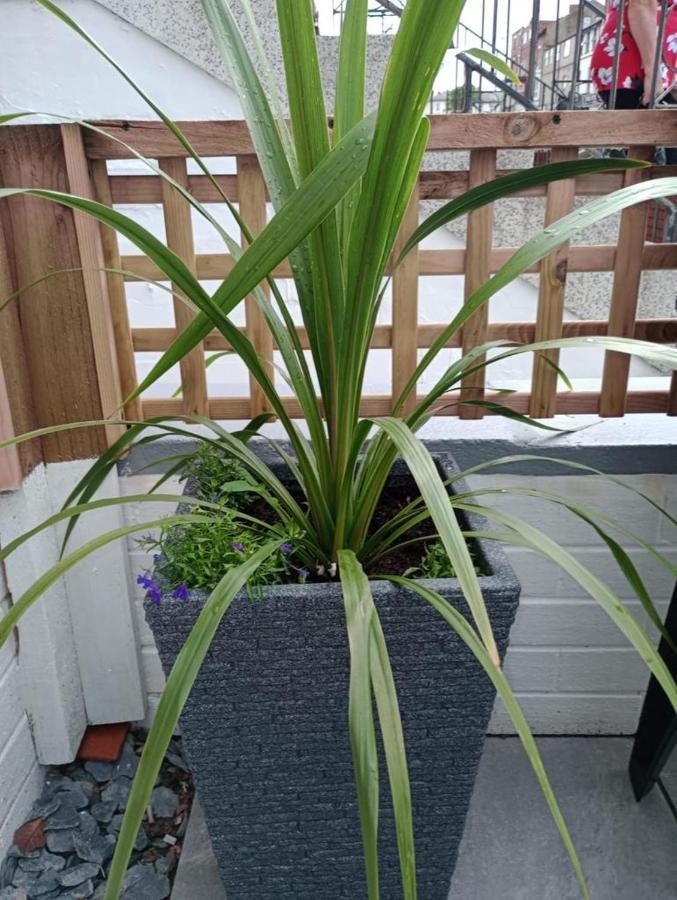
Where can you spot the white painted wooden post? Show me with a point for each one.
(51, 689)
(100, 605)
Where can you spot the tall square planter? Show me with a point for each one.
(266, 730)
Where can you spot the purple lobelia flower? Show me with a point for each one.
(286, 548)
(239, 548)
(181, 592)
(151, 587)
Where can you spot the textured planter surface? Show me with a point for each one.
(266, 730)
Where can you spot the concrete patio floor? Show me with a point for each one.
(511, 848)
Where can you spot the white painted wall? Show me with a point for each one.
(20, 774)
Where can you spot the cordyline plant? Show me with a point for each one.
(339, 198)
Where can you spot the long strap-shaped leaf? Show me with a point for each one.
(28, 598)
(395, 753)
(422, 467)
(179, 685)
(310, 204)
(471, 640)
(607, 599)
(359, 614)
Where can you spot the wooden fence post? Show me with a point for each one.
(551, 287)
(68, 349)
(625, 294)
(252, 193)
(477, 271)
(179, 229)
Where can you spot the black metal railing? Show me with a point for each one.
(550, 56)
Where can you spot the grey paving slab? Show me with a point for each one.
(197, 877)
(511, 849)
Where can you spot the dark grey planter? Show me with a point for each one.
(266, 731)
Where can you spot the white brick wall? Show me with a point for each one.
(20, 774)
(572, 669)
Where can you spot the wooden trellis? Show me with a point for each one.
(78, 161)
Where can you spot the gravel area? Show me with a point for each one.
(65, 848)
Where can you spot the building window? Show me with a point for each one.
(547, 59)
(566, 50)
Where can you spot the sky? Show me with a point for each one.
(511, 15)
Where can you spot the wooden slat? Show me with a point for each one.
(599, 258)
(624, 296)
(252, 190)
(477, 271)
(551, 286)
(148, 188)
(405, 309)
(88, 234)
(117, 297)
(11, 474)
(55, 324)
(179, 232)
(568, 128)
(572, 403)
(661, 331)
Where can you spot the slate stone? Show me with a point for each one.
(55, 783)
(78, 874)
(43, 808)
(66, 816)
(117, 792)
(142, 882)
(79, 795)
(103, 812)
(165, 865)
(60, 841)
(164, 802)
(7, 870)
(12, 893)
(177, 760)
(88, 824)
(36, 885)
(141, 841)
(81, 892)
(44, 861)
(115, 823)
(93, 848)
(100, 771)
(128, 763)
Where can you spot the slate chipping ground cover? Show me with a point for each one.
(64, 850)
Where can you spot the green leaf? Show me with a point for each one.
(495, 62)
(422, 467)
(470, 638)
(359, 615)
(179, 685)
(307, 207)
(609, 602)
(395, 752)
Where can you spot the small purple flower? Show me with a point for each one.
(181, 592)
(239, 548)
(286, 548)
(303, 575)
(151, 587)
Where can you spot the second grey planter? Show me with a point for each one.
(266, 732)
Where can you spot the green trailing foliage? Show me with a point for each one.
(338, 201)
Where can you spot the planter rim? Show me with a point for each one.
(500, 580)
